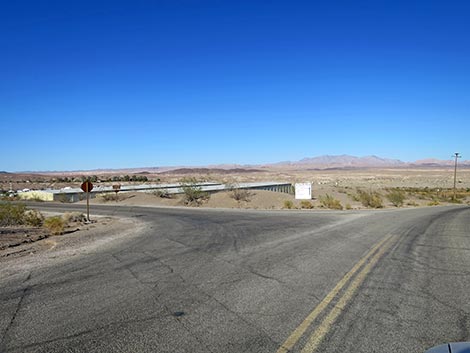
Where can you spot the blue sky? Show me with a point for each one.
(109, 84)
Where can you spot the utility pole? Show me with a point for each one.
(456, 156)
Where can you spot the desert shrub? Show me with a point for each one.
(55, 225)
(433, 203)
(107, 197)
(240, 194)
(439, 194)
(74, 217)
(460, 195)
(33, 218)
(455, 200)
(288, 204)
(370, 199)
(354, 197)
(396, 197)
(412, 203)
(329, 201)
(193, 194)
(11, 214)
(163, 193)
(348, 206)
(306, 204)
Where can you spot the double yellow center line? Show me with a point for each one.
(373, 256)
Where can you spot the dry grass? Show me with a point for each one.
(55, 225)
(33, 218)
(370, 199)
(163, 194)
(288, 204)
(330, 202)
(305, 204)
(396, 197)
(241, 195)
(70, 217)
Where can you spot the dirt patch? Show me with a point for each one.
(16, 240)
(15, 236)
(105, 234)
(138, 199)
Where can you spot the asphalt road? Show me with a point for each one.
(246, 281)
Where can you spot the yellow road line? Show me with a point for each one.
(299, 331)
(320, 332)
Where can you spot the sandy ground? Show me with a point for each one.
(258, 199)
(261, 199)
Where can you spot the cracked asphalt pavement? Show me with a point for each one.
(198, 280)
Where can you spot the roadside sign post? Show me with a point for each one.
(116, 189)
(87, 186)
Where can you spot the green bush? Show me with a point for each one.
(370, 199)
(348, 206)
(330, 202)
(18, 214)
(288, 204)
(193, 194)
(306, 204)
(396, 197)
(11, 214)
(55, 225)
(434, 203)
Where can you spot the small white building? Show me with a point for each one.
(303, 191)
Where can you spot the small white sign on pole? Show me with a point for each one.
(303, 191)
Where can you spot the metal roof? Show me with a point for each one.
(171, 188)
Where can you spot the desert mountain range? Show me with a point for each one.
(321, 162)
(347, 161)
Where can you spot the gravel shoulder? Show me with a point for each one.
(53, 250)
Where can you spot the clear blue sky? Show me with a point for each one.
(109, 84)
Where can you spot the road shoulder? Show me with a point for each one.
(105, 233)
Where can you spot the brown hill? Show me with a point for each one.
(211, 171)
